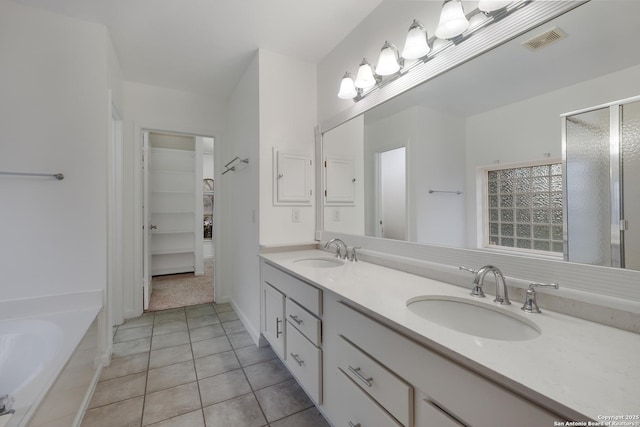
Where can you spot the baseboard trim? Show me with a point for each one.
(255, 334)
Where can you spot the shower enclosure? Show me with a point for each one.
(601, 158)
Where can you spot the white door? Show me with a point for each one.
(146, 221)
(391, 197)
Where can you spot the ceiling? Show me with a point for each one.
(602, 38)
(204, 46)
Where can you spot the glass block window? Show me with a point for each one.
(525, 208)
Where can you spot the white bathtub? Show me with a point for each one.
(37, 339)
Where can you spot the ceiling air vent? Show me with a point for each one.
(545, 39)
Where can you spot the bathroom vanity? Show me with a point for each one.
(346, 333)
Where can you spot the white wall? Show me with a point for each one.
(53, 118)
(157, 109)
(535, 125)
(287, 119)
(237, 203)
(347, 140)
(435, 160)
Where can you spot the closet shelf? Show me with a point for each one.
(173, 251)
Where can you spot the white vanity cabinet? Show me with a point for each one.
(292, 324)
(411, 384)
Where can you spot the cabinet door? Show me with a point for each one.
(340, 179)
(292, 179)
(274, 323)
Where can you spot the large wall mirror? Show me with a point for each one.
(474, 158)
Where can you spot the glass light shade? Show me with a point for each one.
(492, 5)
(477, 19)
(347, 88)
(364, 78)
(439, 44)
(452, 20)
(388, 61)
(416, 45)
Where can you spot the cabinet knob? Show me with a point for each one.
(153, 227)
(353, 425)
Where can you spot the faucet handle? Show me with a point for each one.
(477, 287)
(530, 303)
(354, 255)
(470, 270)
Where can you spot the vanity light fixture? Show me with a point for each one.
(347, 87)
(389, 61)
(453, 22)
(365, 78)
(489, 6)
(453, 29)
(416, 44)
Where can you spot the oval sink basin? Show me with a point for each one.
(473, 318)
(322, 262)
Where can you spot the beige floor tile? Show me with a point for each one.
(127, 348)
(169, 340)
(205, 333)
(267, 374)
(221, 308)
(223, 387)
(233, 327)
(308, 418)
(210, 346)
(216, 364)
(199, 310)
(169, 327)
(192, 419)
(227, 316)
(283, 399)
(242, 411)
(240, 339)
(170, 376)
(170, 403)
(118, 389)
(131, 334)
(169, 315)
(169, 356)
(252, 354)
(124, 366)
(206, 320)
(144, 320)
(127, 413)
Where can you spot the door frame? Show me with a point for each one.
(378, 186)
(138, 274)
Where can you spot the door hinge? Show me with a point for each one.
(623, 225)
(325, 163)
(325, 193)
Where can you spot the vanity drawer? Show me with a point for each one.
(385, 387)
(304, 360)
(463, 393)
(428, 414)
(303, 293)
(357, 408)
(302, 320)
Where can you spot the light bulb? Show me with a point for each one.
(364, 78)
(492, 5)
(416, 44)
(452, 20)
(347, 88)
(388, 61)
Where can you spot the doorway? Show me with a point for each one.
(177, 190)
(391, 197)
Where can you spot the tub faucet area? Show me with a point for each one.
(6, 405)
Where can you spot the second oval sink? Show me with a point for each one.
(320, 262)
(473, 318)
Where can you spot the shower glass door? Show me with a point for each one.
(602, 215)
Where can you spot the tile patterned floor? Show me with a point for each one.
(196, 367)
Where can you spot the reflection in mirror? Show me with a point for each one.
(483, 146)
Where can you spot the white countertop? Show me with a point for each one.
(576, 367)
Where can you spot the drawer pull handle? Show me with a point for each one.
(356, 372)
(353, 425)
(278, 331)
(295, 319)
(296, 357)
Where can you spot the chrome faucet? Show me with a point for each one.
(502, 295)
(339, 246)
